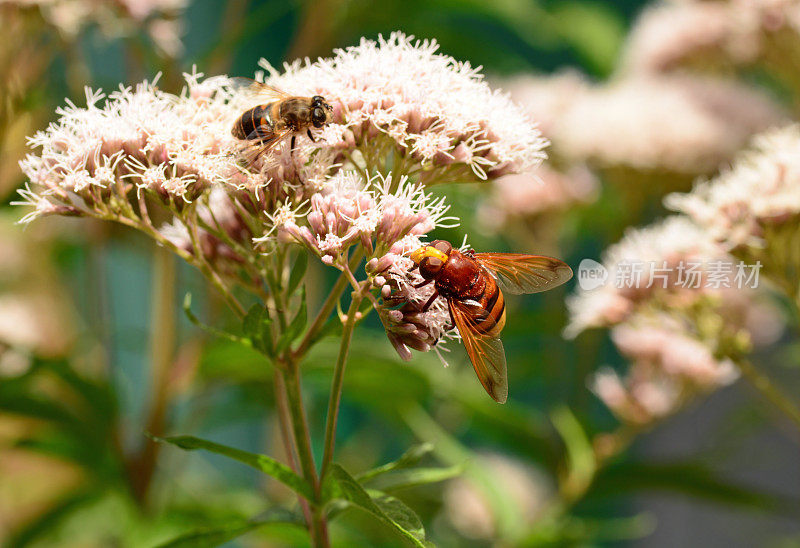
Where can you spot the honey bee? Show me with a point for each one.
(279, 115)
(473, 284)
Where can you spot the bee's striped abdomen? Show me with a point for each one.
(254, 124)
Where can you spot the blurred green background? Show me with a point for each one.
(77, 395)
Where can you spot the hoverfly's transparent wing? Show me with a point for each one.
(486, 352)
(259, 143)
(257, 92)
(519, 273)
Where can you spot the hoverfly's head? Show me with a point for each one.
(431, 258)
(321, 112)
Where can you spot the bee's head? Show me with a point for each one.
(431, 258)
(321, 112)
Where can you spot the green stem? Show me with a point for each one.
(769, 391)
(327, 307)
(201, 265)
(338, 381)
(302, 439)
(162, 341)
(285, 422)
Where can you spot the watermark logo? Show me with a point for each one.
(591, 275)
(716, 274)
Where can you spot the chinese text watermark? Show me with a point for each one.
(717, 274)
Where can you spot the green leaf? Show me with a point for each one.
(400, 514)
(338, 484)
(297, 273)
(265, 464)
(414, 477)
(97, 394)
(208, 538)
(408, 459)
(256, 327)
(298, 324)
(52, 518)
(595, 30)
(688, 478)
(187, 309)
(573, 531)
(580, 454)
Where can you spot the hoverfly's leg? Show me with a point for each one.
(470, 252)
(421, 284)
(428, 304)
(452, 320)
(308, 132)
(293, 142)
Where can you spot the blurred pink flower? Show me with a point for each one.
(115, 18)
(762, 189)
(644, 396)
(662, 342)
(670, 34)
(666, 246)
(712, 34)
(681, 322)
(470, 510)
(545, 190)
(547, 98)
(681, 123)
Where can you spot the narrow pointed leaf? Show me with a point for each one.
(298, 324)
(406, 460)
(413, 477)
(298, 271)
(211, 537)
(265, 464)
(187, 309)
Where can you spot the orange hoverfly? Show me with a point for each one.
(277, 116)
(472, 282)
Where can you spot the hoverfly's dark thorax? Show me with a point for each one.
(461, 277)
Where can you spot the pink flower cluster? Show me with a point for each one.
(141, 139)
(680, 340)
(405, 117)
(528, 195)
(667, 244)
(436, 112)
(679, 123)
(760, 191)
(712, 33)
(377, 214)
(160, 18)
(407, 326)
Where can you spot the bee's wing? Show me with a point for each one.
(486, 353)
(262, 143)
(518, 273)
(256, 91)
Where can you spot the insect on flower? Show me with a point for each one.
(277, 116)
(472, 283)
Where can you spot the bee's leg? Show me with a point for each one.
(422, 284)
(308, 132)
(428, 304)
